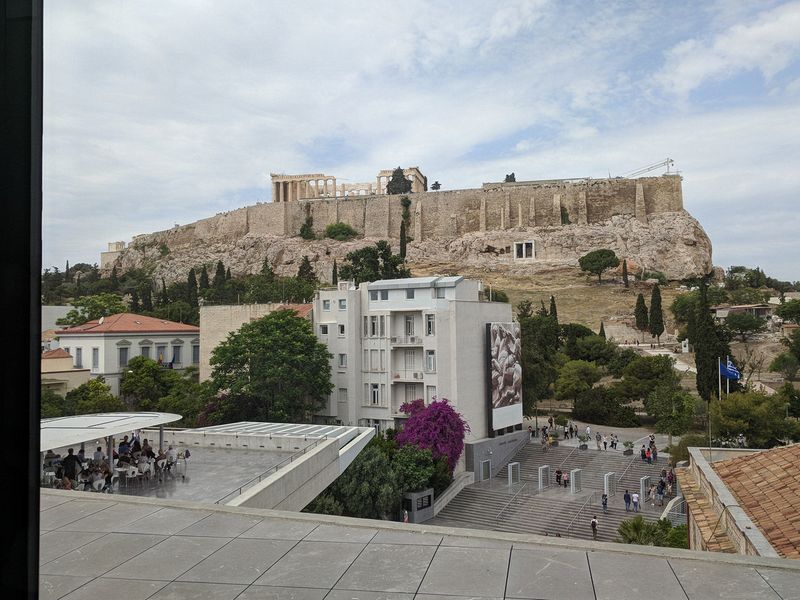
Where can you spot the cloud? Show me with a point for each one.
(768, 44)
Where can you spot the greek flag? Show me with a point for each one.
(729, 371)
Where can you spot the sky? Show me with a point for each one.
(157, 113)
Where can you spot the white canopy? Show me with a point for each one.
(71, 431)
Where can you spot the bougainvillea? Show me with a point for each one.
(437, 427)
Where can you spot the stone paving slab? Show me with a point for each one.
(64, 514)
(110, 519)
(222, 552)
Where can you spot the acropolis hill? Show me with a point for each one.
(519, 228)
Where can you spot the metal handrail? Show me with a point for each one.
(574, 450)
(722, 514)
(630, 464)
(580, 511)
(273, 469)
(514, 497)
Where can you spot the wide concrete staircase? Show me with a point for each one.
(523, 508)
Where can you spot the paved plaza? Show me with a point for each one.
(100, 546)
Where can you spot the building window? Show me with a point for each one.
(323, 330)
(145, 351)
(123, 357)
(430, 393)
(176, 355)
(523, 250)
(78, 358)
(440, 293)
(343, 304)
(430, 361)
(343, 361)
(409, 361)
(373, 360)
(409, 325)
(366, 327)
(409, 294)
(95, 359)
(326, 305)
(342, 394)
(375, 394)
(383, 360)
(66, 349)
(373, 295)
(196, 354)
(430, 324)
(384, 294)
(383, 326)
(365, 361)
(161, 354)
(373, 326)
(341, 329)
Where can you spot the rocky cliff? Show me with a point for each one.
(671, 242)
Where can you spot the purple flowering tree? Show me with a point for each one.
(437, 427)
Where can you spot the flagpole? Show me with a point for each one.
(727, 379)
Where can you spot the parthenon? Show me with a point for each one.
(288, 188)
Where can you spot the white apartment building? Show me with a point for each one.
(106, 345)
(397, 340)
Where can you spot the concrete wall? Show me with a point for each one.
(444, 214)
(500, 450)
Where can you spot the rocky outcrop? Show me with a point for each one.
(673, 243)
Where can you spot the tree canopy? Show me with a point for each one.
(744, 324)
(273, 369)
(575, 377)
(398, 184)
(373, 263)
(656, 317)
(437, 427)
(789, 311)
(760, 417)
(597, 261)
(94, 396)
(89, 308)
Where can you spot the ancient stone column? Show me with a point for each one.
(378, 181)
(334, 187)
(641, 208)
(582, 208)
(281, 192)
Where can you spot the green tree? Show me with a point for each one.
(373, 263)
(403, 240)
(436, 186)
(602, 332)
(227, 274)
(524, 309)
(656, 319)
(219, 278)
(710, 345)
(413, 468)
(744, 324)
(593, 348)
(114, 279)
(335, 273)
(625, 273)
(575, 377)
(53, 405)
(398, 184)
(600, 405)
(66, 272)
(539, 336)
(785, 363)
(644, 374)
(164, 295)
(761, 418)
(94, 396)
(191, 288)
(305, 271)
(135, 307)
(204, 283)
(147, 299)
(640, 314)
(307, 229)
(652, 533)
(186, 397)
(89, 308)
(789, 311)
(510, 178)
(791, 396)
(793, 343)
(672, 408)
(553, 310)
(267, 274)
(597, 261)
(274, 367)
(144, 382)
(340, 231)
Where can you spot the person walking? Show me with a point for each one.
(648, 456)
(530, 432)
(654, 453)
(627, 498)
(635, 500)
(644, 453)
(594, 527)
(565, 479)
(605, 443)
(597, 439)
(604, 501)
(588, 430)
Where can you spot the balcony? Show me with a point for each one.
(406, 340)
(407, 375)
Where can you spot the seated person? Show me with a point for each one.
(81, 456)
(124, 446)
(51, 458)
(98, 455)
(172, 455)
(136, 449)
(147, 450)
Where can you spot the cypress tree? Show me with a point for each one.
(640, 314)
(114, 279)
(147, 299)
(602, 332)
(710, 345)
(135, 308)
(228, 274)
(164, 296)
(219, 277)
(204, 285)
(191, 288)
(306, 272)
(553, 310)
(625, 272)
(403, 240)
(78, 290)
(266, 271)
(335, 274)
(66, 272)
(542, 312)
(656, 324)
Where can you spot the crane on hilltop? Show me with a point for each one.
(667, 162)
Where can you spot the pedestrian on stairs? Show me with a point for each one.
(605, 503)
(627, 498)
(597, 439)
(605, 443)
(635, 500)
(594, 527)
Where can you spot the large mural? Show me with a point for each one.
(505, 374)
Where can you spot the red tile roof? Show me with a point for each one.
(302, 310)
(57, 353)
(130, 323)
(767, 486)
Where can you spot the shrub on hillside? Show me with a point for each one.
(340, 231)
(598, 405)
(681, 451)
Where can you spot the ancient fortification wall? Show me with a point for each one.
(452, 213)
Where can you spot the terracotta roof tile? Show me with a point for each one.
(766, 485)
(130, 323)
(57, 353)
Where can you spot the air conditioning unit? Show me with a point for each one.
(418, 375)
(394, 339)
(414, 339)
